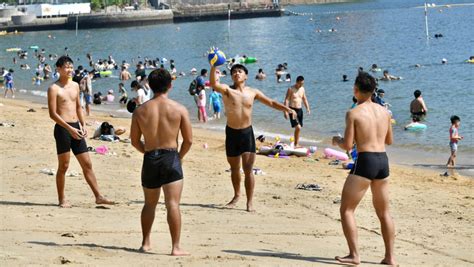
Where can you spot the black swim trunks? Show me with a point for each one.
(419, 114)
(371, 165)
(298, 119)
(239, 141)
(160, 167)
(65, 142)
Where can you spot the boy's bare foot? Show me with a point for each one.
(64, 204)
(179, 252)
(388, 262)
(233, 202)
(103, 200)
(348, 260)
(144, 249)
(250, 208)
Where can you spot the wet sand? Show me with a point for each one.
(433, 214)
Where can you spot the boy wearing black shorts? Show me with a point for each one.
(65, 109)
(240, 141)
(368, 125)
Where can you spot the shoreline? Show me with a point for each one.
(291, 227)
(398, 154)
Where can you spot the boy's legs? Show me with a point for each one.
(172, 193)
(352, 193)
(248, 159)
(234, 163)
(63, 165)
(86, 165)
(452, 158)
(381, 204)
(148, 216)
(297, 134)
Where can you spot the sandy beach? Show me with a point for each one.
(433, 215)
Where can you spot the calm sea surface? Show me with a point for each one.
(389, 33)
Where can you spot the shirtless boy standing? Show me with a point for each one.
(240, 141)
(65, 109)
(160, 120)
(368, 124)
(295, 97)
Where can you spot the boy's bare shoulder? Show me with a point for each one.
(53, 87)
(178, 106)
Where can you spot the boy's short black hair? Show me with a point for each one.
(365, 83)
(417, 93)
(203, 71)
(134, 84)
(299, 78)
(455, 119)
(239, 67)
(63, 60)
(159, 80)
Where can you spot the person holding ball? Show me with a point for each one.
(240, 141)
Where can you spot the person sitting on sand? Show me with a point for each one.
(110, 96)
(369, 126)
(69, 132)
(240, 141)
(387, 77)
(417, 105)
(160, 120)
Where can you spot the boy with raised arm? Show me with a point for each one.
(369, 126)
(160, 120)
(294, 99)
(65, 109)
(240, 141)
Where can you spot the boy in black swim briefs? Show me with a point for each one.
(159, 121)
(294, 99)
(240, 141)
(69, 132)
(368, 125)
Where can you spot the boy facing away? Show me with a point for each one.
(369, 126)
(454, 137)
(160, 120)
(65, 109)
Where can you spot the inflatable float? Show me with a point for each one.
(415, 127)
(247, 60)
(284, 149)
(13, 49)
(105, 73)
(332, 153)
(34, 47)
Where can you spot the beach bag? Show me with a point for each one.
(193, 87)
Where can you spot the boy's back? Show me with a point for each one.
(371, 125)
(159, 120)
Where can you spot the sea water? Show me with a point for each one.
(388, 33)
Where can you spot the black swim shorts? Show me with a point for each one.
(239, 141)
(65, 142)
(298, 119)
(371, 165)
(160, 167)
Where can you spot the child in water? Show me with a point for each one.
(454, 137)
(37, 79)
(215, 100)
